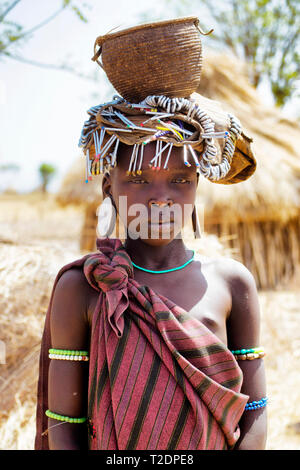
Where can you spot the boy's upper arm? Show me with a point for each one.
(244, 319)
(67, 388)
(243, 331)
(68, 320)
(243, 328)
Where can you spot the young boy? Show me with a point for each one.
(148, 345)
(218, 293)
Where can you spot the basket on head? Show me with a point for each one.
(162, 58)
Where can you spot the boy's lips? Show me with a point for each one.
(157, 222)
(161, 221)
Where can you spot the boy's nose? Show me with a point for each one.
(159, 203)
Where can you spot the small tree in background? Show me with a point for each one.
(266, 34)
(46, 173)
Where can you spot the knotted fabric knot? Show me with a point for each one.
(107, 276)
(110, 268)
(108, 271)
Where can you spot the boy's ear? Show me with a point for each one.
(106, 186)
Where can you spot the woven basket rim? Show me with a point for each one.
(187, 19)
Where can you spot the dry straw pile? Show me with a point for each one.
(26, 277)
(37, 238)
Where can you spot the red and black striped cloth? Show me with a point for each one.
(158, 378)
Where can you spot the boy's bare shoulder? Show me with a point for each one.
(72, 284)
(245, 309)
(230, 270)
(69, 311)
(234, 271)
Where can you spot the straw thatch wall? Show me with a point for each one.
(259, 218)
(27, 273)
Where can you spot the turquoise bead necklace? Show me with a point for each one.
(165, 270)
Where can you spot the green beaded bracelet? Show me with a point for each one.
(68, 355)
(68, 352)
(246, 351)
(248, 354)
(67, 419)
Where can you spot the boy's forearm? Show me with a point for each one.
(253, 426)
(67, 436)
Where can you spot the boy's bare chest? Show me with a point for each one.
(197, 289)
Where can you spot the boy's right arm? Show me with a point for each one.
(68, 380)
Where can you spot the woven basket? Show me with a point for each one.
(162, 58)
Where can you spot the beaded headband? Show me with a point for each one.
(170, 122)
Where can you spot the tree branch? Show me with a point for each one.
(12, 5)
(62, 68)
(34, 28)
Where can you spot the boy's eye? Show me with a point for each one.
(138, 181)
(181, 180)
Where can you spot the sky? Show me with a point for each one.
(42, 111)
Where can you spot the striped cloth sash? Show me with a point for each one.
(158, 378)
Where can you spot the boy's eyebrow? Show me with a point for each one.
(172, 170)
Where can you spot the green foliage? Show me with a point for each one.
(46, 171)
(13, 34)
(79, 14)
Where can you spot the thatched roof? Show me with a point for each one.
(74, 189)
(272, 192)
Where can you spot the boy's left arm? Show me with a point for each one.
(243, 332)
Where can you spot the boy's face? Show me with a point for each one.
(156, 204)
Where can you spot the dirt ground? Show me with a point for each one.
(37, 237)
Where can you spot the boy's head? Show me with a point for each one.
(155, 151)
